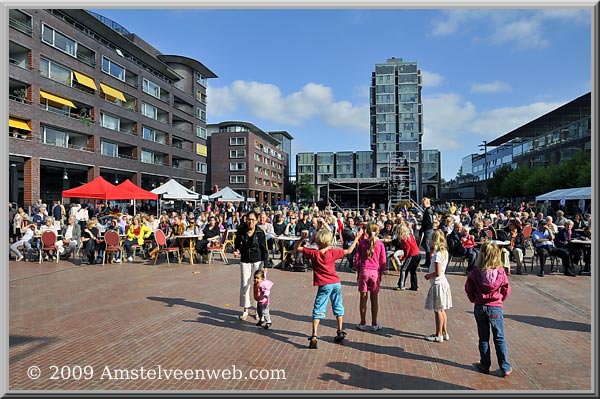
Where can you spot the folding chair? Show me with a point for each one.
(48, 244)
(113, 244)
(229, 240)
(216, 246)
(161, 241)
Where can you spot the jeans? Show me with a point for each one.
(425, 239)
(486, 317)
(263, 312)
(324, 293)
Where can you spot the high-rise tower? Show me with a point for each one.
(397, 127)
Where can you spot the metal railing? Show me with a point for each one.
(18, 25)
(23, 64)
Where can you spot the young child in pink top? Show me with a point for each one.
(262, 296)
(370, 262)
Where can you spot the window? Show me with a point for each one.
(150, 157)
(55, 137)
(58, 40)
(237, 141)
(201, 114)
(201, 97)
(151, 88)
(108, 148)
(200, 132)
(148, 134)
(237, 154)
(55, 72)
(200, 79)
(150, 111)
(110, 122)
(201, 149)
(113, 69)
(237, 179)
(201, 167)
(233, 166)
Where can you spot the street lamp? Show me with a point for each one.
(484, 145)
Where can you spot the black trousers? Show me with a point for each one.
(562, 253)
(410, 266)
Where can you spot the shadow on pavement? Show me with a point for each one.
(362, 377)
(38, 344)
(548, 322)
(228, 318)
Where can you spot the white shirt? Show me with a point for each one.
(69, 232)
(438, 257)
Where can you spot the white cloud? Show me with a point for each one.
(455, 127)
(523, 28)
(266, 101)
(525, 33)
(492, 87)
(221, 100)
(431, 79)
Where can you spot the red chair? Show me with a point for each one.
(113, 244)
(48, 244)
(161, 241)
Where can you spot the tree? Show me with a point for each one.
(495, 184)
(305, 189)
(459, 173)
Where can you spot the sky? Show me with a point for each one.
(308, 71)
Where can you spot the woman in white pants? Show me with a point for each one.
(251, 246)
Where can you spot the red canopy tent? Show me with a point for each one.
(136, 192)
(98, 189)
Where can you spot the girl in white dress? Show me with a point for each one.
(439, 297)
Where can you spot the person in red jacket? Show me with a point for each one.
(410, 260)
(487, 287)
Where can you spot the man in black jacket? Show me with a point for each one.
(426, 230)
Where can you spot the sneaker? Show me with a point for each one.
(19, 258)
(313, 342)
(376, 327)
(118, 260)
(361, 327)
(130, 259)
(268, 325)
(259, 323)
(434, 338)
(399, 288)
(446, 337)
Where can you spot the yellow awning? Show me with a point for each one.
(19, 124)
(112, 92)
(57, 99)
(201, 149)
(85, 80)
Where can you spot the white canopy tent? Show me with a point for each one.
(226, 194)
(174, 190)
(577, 193)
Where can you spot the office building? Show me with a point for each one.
(396, 121)
(89, 98)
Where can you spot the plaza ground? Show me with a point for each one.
(184, 317)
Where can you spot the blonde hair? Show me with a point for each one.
(402, 231)
(489, 257)
(373, 229)
(323, 238)
(439, 244)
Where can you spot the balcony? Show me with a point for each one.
(21, 22)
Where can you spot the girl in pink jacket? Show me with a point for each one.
(487, 287)
(370, 262)
(262, 295)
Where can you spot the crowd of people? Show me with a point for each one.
(370, 240)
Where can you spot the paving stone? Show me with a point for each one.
(185, 316)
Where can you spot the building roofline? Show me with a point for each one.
(87, 19)
(560, 116)
(284, 133)
(251, 128)
(192, 63)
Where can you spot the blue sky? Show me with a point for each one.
(485, 72)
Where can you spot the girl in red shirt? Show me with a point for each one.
(410, 260)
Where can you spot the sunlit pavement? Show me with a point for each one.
(78, 324)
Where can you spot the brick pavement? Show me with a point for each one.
(134, 315)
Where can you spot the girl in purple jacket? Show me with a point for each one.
(487, 287)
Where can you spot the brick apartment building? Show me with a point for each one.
(248, 160)
(87, 98)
